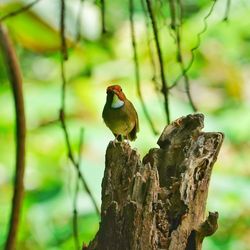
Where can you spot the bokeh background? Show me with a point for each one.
(220, 87)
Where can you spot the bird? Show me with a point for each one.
(119, 114)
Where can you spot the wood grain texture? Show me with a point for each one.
(159, 202)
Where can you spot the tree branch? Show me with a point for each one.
(103, 11)
(165, 90)
(154, 77)
(15, 78)
(172, 14)
(64, 56)
(73, 161)
(137, 70)
(79, 23)
(180, 57)
(75, 213)
(227, 10)
(187, 68)
(64, 50)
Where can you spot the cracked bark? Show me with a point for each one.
(159, 202)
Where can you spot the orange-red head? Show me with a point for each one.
(116, 89)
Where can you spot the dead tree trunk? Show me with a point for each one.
(159, 202)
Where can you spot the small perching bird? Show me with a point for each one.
(120, 115)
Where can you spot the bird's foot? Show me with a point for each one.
(114, 142)
(125, 141)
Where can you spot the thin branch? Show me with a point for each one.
(160, 12)
(200, 34)
(79, 23)
(75, 216)
(64, 57)
(172, 14)
(64, 51)
(103, 16)
(75, 213)
(227, 10)
(64, 54)
(180, 57)
(18, 11)
(165, 90)
(187, 68)
(15, 78)
(154, 77)
(73, 161)
(180, 11)
(150, 49)
(185, 75)
(137, 70)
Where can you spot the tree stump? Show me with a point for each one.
(159, 202)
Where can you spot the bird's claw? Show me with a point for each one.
(114, 142)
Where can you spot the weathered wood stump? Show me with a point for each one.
(159, 202)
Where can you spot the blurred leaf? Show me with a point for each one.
(44, 194)
(30, 30)
(235, 123)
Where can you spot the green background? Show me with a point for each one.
(220, 88)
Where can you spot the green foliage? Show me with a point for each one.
(219, 84)
(38, 35)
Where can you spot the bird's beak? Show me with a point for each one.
(112, 91)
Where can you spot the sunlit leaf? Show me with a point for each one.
(30, 30)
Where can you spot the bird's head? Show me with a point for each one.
(116, 96)
(117, 90)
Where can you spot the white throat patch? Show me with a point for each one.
(116, 102)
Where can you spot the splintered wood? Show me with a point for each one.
(159, 202)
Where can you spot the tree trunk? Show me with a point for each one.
(159, 202)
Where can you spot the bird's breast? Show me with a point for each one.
(119, 120)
